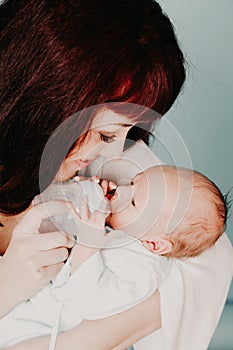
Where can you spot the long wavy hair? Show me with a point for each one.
(58, 57)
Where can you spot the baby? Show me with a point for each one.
(177, 212)
(164, 212)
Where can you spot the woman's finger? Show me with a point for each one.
(52, 240)
(84, 210)
(50, 271)
(96, 179)
(112, 185)
(33, 218)
(104, 185)
(99, 216)
(51, 257)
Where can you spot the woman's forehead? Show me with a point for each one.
(109, 120)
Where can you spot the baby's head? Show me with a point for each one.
(179, 209)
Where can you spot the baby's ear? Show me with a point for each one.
(161, 246)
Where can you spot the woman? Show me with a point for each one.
(68, 55)
(57, 58)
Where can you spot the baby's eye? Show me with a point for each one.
(107, 139)
(133, 203)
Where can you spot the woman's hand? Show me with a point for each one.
(31, 259)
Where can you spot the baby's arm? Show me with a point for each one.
(123, 278)
(111, 281)
(80, 255)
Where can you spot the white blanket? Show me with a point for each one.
(109, 282)
(194, 294)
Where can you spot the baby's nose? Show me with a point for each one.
(124, 194)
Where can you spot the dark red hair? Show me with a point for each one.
(60, 56)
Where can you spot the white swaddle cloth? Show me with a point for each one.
(194, 294)
(192, 297)
(110, 281)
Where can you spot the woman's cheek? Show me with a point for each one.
(67, 170)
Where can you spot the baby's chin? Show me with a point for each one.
(112, 222)
(108, 220)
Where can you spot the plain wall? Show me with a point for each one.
(203, 113)
(198, 130)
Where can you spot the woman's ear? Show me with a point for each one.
(161, 246)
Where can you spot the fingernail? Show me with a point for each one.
(113, 185)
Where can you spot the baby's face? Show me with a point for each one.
(139, 205)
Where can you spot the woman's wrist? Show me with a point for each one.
(33, 344)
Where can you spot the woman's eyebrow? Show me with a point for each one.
(125, 125)
(117, 124)
(115, 127)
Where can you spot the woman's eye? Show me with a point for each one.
(107, 139)
(133, 203)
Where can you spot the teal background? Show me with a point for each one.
(203, 113)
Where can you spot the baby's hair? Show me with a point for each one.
(228, 204)
(196, 233)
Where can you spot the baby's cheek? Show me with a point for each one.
(117, 220)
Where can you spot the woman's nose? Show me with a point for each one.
(113, 150)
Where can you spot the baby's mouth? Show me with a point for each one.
(110, 195)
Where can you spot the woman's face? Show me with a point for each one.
(105, 138)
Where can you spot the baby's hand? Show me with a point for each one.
(91, 233)
(96, 218)
(108, 187)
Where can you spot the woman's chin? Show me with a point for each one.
(64, 177)
(65, 173)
